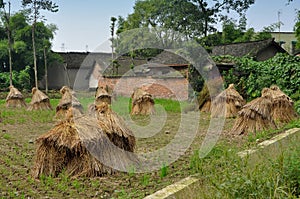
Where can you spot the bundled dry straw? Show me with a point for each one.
(142, 103)
(101, 96)
(204, 100)
(230, 101)
(210, 90)
(79, 146)
(283, 107)
(115, 127)
(15, 98)
(39, 101)
(67, 101)
(256, 115)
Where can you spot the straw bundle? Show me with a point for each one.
(204, 100)
(142, 103)
(232, 100)
(15, 98)
(256, 115)
(79, 147)
(39, 101)
(115, 127)
(283, 107)
(210, 90)
(68, 100)
(101, 95)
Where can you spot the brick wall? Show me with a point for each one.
(168, 88)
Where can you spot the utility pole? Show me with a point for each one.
(279, 26)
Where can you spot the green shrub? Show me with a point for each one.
(21, 79)
(250, 76)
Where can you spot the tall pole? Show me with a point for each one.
(279, 26)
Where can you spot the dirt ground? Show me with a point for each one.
(18, 132)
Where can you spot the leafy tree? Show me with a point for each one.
(22, 45)
(178, 15)
(212, 11)
(231, 32)
(191, 18)
(35, 6)
(6, 17)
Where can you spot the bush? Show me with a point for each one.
(282, 70)
(20, 79)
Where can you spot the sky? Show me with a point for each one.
(85, 25)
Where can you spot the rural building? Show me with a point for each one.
(164, 76)
(75, 70)
(259, 50)
(287, 41)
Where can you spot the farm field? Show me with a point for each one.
(19, 129)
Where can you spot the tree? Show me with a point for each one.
(193, 18)
(178, 15)
(214, 13)
(35, 6)
(22, 45)
(112, 31)
(8, 30)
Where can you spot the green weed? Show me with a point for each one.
(145, 180)
(6, 136)
(163, 171)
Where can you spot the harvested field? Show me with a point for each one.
(20, 128)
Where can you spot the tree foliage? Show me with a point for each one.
(193, 18)
(22, 44)
(250, 76)
(34, 7)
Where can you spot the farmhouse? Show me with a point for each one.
(163, 76)
(259, 50)
(75, 70)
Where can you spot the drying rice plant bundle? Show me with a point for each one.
(256, 115)
(283, 110)
(142, 103)
(15, 98)
(78, 147)
(39, 101)
(229, 100)
(67, 101)
(204, 100)
(101, 96)
(115, 127)
(210, 90)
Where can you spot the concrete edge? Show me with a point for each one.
(186, 182)
(269, 142)
(173, 188)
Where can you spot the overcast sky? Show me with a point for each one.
(84, 25)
